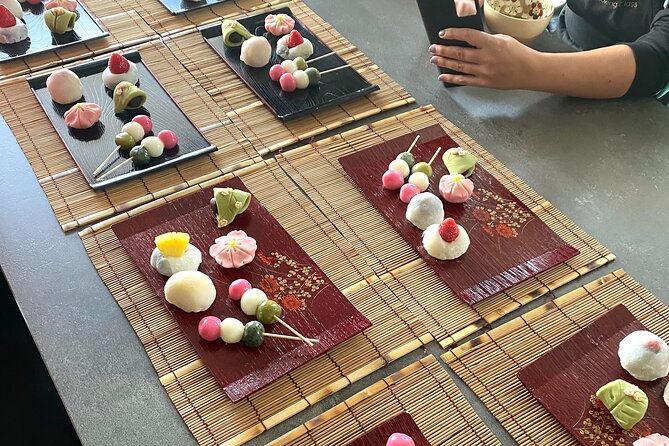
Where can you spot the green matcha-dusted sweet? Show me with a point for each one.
(407, 158)
(229, 203)
(254, 334)
(300, 63)
(128, 96)
(626, 402)
(459, 160)
(422, 167)
(234, 33)
(268, 312)
(59, 20)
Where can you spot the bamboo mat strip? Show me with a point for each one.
(489, 364)
(266, 132)
(316, 169)
(422, 389)
(210, 415)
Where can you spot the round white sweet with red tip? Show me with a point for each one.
(399, 439)
(288, 82)
(276, 72)
(169, 139)
(251, 299)
(144, 121)
(209, 328)
(446, 241)
(392, 180)
(408, 191)
(421, 180)
(237, 289)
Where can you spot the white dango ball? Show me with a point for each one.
(232, 330)
(420, 180)
(192, 291)
(251, 299)
(289, 66)
(302, 79)
(401, 166)
(134, 129)
(154, 145)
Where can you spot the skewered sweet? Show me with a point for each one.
(139, 156)
(446, 241)
(229, 203)
(209, 328)
(459, 160)
(314, 75)
(294, 45)
(399, 439)
(144, 121)
(128, 96)
(256, 52)
(59, 20)
(408, 191)
(300, 63)
(455, 188)
(124, 142)
(626, 402)
(234, 250)
(14, 7)
(279, 24)
(251, 299)
(652, 440)
(288, 66)
(231, 330)
(234, 33)
(288, 82)
(275, 72)
(192, 291)
(119, 69)
(254, 334)
(64, 86)
(153, 145)
(420, 180)
(169, 139)
(268, 312)
(12, 30)
(392, 180)
(425, 209)
(237, 289)
(134, 129)
(70, 5)
(422, 167)
(644, 355)
(407, 157)
(82, 115)
(301, 79)
(401, 166)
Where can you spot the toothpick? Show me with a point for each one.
(104, 163)
(413, 144)
(109, 172)
(320, 57)
(292, 330)
(434, 156)
(334, 69)
(292, 338)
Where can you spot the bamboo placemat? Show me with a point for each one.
(422, 389)
(253, 119)
(316, 169)
(205, 408)
(73, 201)
(126, 28)
(490, 363)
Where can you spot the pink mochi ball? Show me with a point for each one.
(168, 138)
(398, 439)
(392, 180)
(237, 289)
(276, 72)
(408, 191)
(209, 328)
(288, 82)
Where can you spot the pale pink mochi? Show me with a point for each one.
(279, 24)
(83, 115)
(455, 188)
(233, 250)
(70, 5)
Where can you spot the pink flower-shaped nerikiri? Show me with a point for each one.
(233, 250)
(455, 188)
(279, 24)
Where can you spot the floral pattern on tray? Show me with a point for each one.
(598, 426)
(498, 216)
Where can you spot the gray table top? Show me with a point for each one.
(603, 163)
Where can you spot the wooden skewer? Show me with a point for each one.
(292, 338)
(320, 57)
(109, 172)
(434, 156)
(292, 330)
(104, 163)
(413, 144)
(334, 69)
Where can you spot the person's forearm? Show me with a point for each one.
(601, 73)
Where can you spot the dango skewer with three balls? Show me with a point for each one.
(232, 331)
(421, 173)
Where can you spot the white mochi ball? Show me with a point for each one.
(256, 52)
(192, 291)
(644, 355)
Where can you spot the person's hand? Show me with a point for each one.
(497, 61)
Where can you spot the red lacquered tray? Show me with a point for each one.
(312, 303)
(402, 423)
(565, 379)
(509, 243)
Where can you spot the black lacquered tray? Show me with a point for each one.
(91, 146)
(40, 39)
(177, 7)
(335, 88)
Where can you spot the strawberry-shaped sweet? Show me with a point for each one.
(7, 19)
(448, 230)
(118, 64)
(294, 39)
(11, 30)
(119, 69)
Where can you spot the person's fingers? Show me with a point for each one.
(462, 79)
(457, 52)
(457, 65)
(472, 36)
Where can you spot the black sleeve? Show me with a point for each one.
(651, 52)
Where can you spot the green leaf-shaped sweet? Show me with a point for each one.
(459, 160)
(128, 96)
(59, 20)
(626, 402)
(234, 33)
(229, 204)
